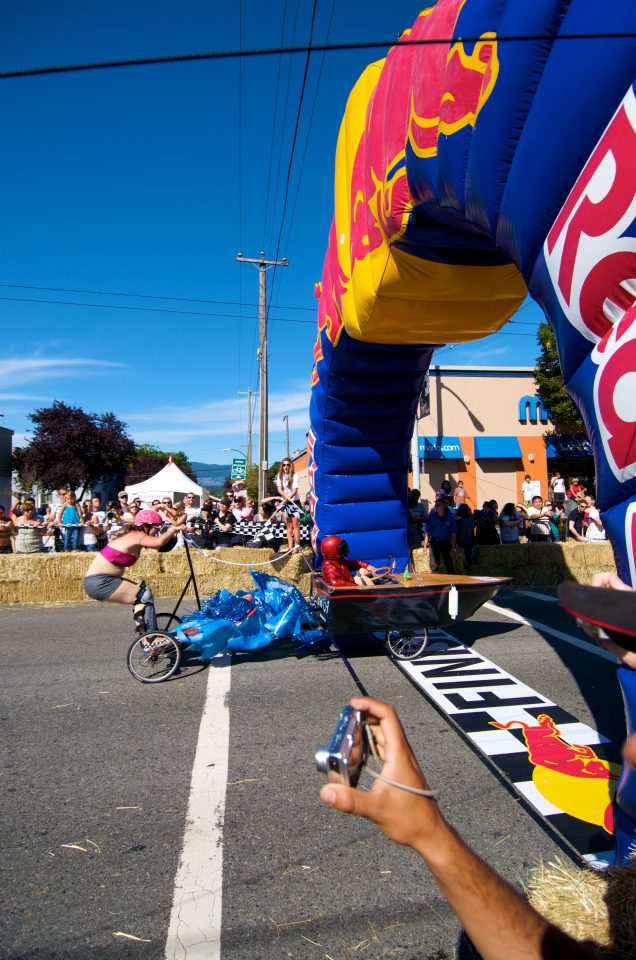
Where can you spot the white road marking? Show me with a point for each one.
(543, 628)
(195, 922)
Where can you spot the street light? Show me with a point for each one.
(235, 450)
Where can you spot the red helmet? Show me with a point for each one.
(334, 548)
(149, 517)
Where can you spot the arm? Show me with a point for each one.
(499, 921)
(572, 529)
(155, 542)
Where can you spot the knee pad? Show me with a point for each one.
(148, 614)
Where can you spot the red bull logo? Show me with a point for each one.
(400, 111)
(570, 776)
(614, 393)
(591, 264)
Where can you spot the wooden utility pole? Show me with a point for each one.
(263, 265)
(286, 422)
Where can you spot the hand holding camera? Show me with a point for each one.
(410, 818)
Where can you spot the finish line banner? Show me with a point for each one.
(564, 771)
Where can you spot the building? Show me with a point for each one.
(486, 426)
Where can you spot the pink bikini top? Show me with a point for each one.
(117, 557)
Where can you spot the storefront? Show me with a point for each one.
(486, 426)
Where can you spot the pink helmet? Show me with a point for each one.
(150, 517)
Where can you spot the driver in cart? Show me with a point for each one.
(337, 571)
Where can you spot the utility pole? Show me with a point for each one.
(248, 393)
(286, 422)
(263, 265)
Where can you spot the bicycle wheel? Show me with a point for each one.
(167, 621)
(405, 645)
(154, 657)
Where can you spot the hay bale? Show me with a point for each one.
(599, 908)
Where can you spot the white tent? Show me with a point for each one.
(171, 482)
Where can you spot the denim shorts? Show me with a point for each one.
(101, 586)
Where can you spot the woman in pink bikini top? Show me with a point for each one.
(105, 578)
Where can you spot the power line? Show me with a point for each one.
(121, 306)
(145, 296)
(318, 48)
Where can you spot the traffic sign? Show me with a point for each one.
(239, 469)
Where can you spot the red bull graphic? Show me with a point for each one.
(615, 394)
(591, 261)
(570, 776)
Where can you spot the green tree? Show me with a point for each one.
(147, 460)
(563, 412)
(73, 448)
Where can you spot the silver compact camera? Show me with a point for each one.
(343, 758)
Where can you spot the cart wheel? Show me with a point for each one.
(154, 657)
(167, 621)
(405, 645)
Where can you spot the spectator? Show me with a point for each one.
(445, 492)
(28, 530)
(575, 520)
(224, 522)
(574, 489)
(16, 509)
(459, 493)
(526, 490)
(557, 521)
(465, 523)
(70, 516)
(441, 534)
(122, 496)
(595, 532)
(247, 511)
(166, 510)
(95, 525)
(204, 528)
(417, 517)
(540, 522)
(557, 486)
(287, 484)
(509, 523)
(239, 489)
(191, 511)
(7, 532)
(237, 507)
(486, 533)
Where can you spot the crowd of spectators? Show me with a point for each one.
(69, 525)
(569, 514)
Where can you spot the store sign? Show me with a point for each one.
(531, 408)
(440, 448)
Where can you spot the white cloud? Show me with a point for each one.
(170, 424)
(20, 370)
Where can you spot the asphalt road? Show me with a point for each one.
(97, 777)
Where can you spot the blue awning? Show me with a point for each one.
(440, 448)
(497, 448)
(564, 447)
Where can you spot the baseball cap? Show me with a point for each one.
(122, 493)
(613, 611)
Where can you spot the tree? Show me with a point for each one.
(563, 412)
(73, 448)
(147, 460)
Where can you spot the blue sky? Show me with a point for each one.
(148, 181)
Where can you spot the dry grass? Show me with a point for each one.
(44, 578)
(596, 907)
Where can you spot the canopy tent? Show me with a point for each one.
(171, 482)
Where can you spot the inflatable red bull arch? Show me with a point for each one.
(491, 159)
